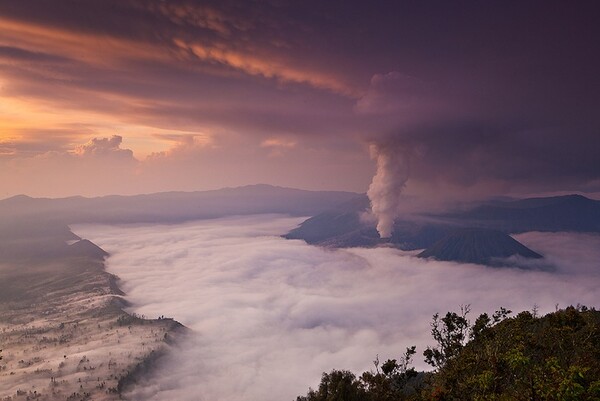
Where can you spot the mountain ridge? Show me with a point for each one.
(169, 207)
(477, 245)
(346, 226)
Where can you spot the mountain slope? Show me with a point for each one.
(477, 245)
(343, 220)
(65, 335)
(343, 226)
(88, 249)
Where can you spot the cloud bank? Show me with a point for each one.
(104, 147)
(269, 315)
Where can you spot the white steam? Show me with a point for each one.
(269, 315)
(387, 185)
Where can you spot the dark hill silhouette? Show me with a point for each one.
(88, 249)
(477, 245)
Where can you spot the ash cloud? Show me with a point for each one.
(269, 315)
(431, 138)
(384, 192)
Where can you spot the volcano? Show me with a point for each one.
(477, 245)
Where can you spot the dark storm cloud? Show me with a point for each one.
(8, 52)
(467, 153)
(494, 95)
(506, 99)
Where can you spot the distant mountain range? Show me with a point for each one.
(558, 213)
(37, 227)
(174, 206)
(445, 235)
(340, 219)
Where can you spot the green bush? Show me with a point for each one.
(555, 358)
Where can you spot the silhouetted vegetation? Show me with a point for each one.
(555, 357)
(128, 319)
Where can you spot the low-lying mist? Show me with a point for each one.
(269, 315)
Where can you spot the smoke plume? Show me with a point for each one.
(386, 187)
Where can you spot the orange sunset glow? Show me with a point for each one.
(208, 95)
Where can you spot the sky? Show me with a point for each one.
(469, 98)
(269, 315)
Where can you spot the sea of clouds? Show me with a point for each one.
(269, 315)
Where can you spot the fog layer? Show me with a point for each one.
(269, 315)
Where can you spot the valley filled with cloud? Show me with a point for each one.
(269, 315)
